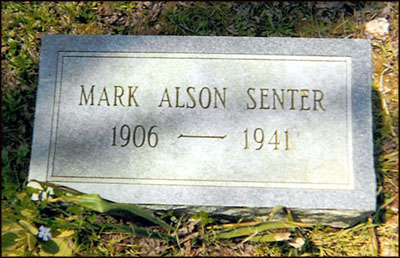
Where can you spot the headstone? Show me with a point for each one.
(230, 125)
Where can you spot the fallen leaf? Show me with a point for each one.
(298, 242)
(377, 28)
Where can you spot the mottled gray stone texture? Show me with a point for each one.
(230, 125)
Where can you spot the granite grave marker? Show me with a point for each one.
(236, 125)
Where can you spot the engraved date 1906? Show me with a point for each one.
(136, 135)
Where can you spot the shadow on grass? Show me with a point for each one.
(380, 133)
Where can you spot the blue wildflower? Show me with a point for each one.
(44, 233)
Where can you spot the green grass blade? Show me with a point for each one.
(274, 211)
(89, 201)
(29, 227)
(94, 202)
(134, 209)
(269, 225)
(55, 186)
(271, 237)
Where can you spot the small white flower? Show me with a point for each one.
(44, 233)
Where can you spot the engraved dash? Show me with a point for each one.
(201, 136)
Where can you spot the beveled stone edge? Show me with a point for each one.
(326, 217)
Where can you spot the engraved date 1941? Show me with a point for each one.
(259, 138)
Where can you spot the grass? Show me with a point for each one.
(81, 230)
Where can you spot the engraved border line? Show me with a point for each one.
(263, 58)
(321, 186)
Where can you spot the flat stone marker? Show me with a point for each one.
(235, 125)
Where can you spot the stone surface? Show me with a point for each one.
(378, 28)
(227, 124)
